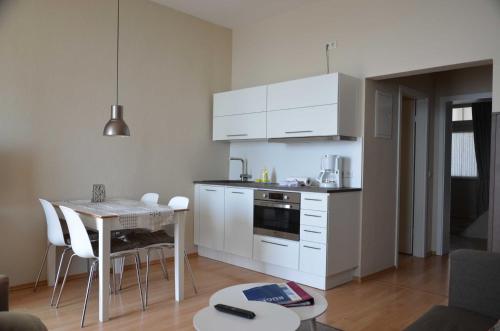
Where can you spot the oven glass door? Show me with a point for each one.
(277, 220)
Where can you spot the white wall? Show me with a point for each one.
(374, 38)
(296, 159)
(57, 65)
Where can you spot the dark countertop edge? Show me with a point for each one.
(313, 189)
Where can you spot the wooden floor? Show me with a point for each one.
(387, 301)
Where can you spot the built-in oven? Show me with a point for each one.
(277, 214)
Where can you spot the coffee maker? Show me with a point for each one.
(331, 171)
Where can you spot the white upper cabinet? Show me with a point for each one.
(324, 105)
(244, 101)
(236, 127)
(302, 122)
(306, 92)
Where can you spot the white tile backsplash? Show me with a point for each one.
(296, 159)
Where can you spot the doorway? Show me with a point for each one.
(407, 175)
(412, 168)
(469, 159)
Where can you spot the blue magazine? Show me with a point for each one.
(285, 294)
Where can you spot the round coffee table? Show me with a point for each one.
(234, 296)
(268, 316)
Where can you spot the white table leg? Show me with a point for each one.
(104, 228)
(179, 256)
(51, 265)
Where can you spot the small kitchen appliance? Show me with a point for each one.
(331, 171)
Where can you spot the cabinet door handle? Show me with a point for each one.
(210, 190)
(316, 248)
(237, 135)
(234, 192)
(311, 199)
(300, 131)
(270, 242)
(310, 231)
(311, 215)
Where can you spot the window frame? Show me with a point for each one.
(459, 127)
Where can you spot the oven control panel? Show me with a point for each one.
(279, 196)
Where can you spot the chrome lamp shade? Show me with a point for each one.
(116, 126)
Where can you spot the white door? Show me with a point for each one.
(406, 183)
(211, 217)
(238, 237)
(421, 177)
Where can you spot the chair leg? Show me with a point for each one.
(163, 263)
(122, 268)
(138, 273)
(89, 286)
(57, 276)
(64, 280)
(41, 267)
(113, 274)
(190, 272)
(147, 276)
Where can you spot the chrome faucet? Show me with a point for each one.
(244, 176)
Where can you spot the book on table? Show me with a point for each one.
(286, 294)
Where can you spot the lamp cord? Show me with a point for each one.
(117, 47)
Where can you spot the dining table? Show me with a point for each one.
(119, 214)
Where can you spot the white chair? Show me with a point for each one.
(150, 198)
(84, 248)
(161, 239)
(56, 237)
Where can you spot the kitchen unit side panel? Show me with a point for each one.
(349, 107)
(343, 232)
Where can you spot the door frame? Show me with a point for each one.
(443, 189)
(419, 244)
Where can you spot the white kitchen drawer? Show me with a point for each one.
(276, 251)
(302, 122)
(305, 92)
(235, 127)
(314, 201)
(314, 218)
(313, 233)
(244, 101)
(313, 258)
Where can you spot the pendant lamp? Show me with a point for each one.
(116, 126)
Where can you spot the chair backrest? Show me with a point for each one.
(55, 233)
(150, 198)
(179, 203)
(80, 241)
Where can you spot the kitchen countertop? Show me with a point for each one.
(276, 186)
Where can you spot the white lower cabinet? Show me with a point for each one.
(210, 216)
(313, 258)
(313, 233)
(276, 251)
(238, 219)
(326, 255)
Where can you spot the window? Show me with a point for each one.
(463, 154)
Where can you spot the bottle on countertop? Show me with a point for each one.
(264, 176)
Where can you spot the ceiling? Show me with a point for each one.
(232, 13)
